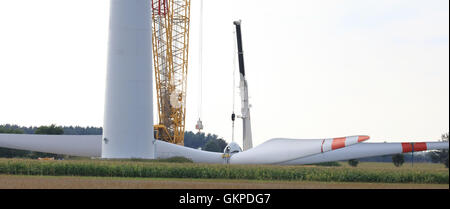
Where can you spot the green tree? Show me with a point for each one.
(50, 130)
(211, 146)
(195, 140)
(209, 142)
(215, 145)
(398, 160)
(440, 156)
(10, 131)
(353, 162)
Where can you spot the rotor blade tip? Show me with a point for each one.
(363, 138)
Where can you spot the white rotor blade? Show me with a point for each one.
(277, 151)
(91, 146)
(168, 150)
(363, 150)
(76, 145)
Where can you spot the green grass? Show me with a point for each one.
(365, 172)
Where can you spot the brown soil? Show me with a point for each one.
(52, 182)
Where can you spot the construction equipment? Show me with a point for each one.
(170, 20)
(245, 106)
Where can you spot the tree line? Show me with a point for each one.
(67, 130)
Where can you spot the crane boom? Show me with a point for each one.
(170, 21)
(245, 108)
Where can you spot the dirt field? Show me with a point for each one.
(52, 182)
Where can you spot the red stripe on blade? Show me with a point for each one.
(406, 147)
(421, 146)
(363, 138)
(338, 143)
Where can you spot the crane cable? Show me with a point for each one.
(199, 125)
(233, 115)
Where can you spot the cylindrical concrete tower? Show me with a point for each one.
(128, 116)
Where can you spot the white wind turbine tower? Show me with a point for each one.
(128, 116)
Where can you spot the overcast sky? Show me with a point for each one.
(315, 68)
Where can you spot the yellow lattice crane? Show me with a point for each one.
(170, 20)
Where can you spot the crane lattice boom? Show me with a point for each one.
(170, 20)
